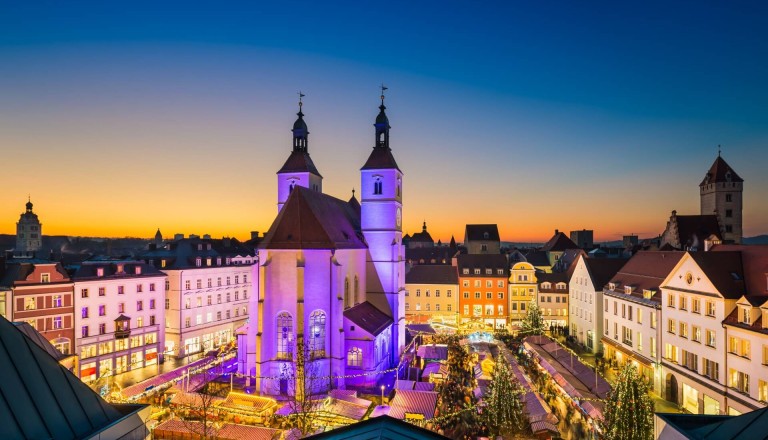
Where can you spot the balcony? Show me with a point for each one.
(122, 327)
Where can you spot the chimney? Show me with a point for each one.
(178, 236)
(226, 241)
(557, 231)
(254, 235)
(207, 236)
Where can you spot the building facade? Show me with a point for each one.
(483, 285)
(522, 289)
(432, 293)
(120, 317)
(209, 283)
(39, 292)
(552, 298)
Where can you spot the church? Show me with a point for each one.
(329, 308)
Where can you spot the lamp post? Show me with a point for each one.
(382, 395)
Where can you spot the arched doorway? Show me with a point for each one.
(671, 390)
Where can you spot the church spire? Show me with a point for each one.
(300, 130)
(382, 124)
(29, 204)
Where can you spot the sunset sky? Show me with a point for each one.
(122, 117)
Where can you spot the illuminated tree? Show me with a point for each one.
(456, 398)
(533, 323)
(503, 413)
(629, 409)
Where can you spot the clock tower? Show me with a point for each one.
(381, 217)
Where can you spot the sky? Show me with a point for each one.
(120, 118)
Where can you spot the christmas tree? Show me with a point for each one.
(533, 323)
(629, 409)
(503, 413)
(456, 399)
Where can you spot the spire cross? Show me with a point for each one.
(383, 88)
(353, 192)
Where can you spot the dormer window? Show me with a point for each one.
(198, 262)
(218, 261)
(465, 271)
(99, 271)
(120, 268)
(200, 247)
(45, 278)
(628, 289)
(138, 270)
(477, 271)
(208, 261)
(546, 285)
(612, 286)
(560, 286)
(647, 294)
(229, 261)
(745, 315)
(489, 271)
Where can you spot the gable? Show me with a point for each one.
(699, 282)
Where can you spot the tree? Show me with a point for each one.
(533, 322)
(503, 413)
(303, 382)
(456, 398)
(629, 409)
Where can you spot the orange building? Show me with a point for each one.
(483, 287)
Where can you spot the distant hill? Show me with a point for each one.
(757, 239)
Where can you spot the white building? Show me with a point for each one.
(208, 287)
(119, 317)
(631, 313)
(586, 298)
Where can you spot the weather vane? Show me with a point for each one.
(718, 150)
(301, 95)
(383, 88)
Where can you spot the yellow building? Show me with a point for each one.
(523, 288)
(432, 293)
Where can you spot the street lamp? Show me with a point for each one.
(382, 395)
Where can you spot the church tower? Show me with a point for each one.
(381, 192)
(720, 193)
(299, 168)
(29, 233)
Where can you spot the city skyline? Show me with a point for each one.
(120, 122)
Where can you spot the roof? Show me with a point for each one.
(299, 162)
(432, 274)
(754, 260)
(383, 427)
(646, 270)
(433, 351)
(182, 253)
(39, 398)
(381, 158)
(694, 229)
(477, 232)
(482, 262)
(558, 243)
(553, 278)
(601, 270)
(40, 340)
(88, 270)
(176, 428)
(17, 272)
(720, 171)
(313, 220)
(752, 425)
(537, 258)
(430, 255)
(724, 271)
(366, 316)
(412, 401)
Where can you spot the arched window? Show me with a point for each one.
(62, 344)
(355, 357)
(317, 334)
(347, 298)
(284, 336)
(377, 187)
(357, 291)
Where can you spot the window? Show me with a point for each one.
(738, 380)
(139, 288)
(488, 295)
(728, 197)
(152, 287)
(696, 305)
(653, 346)
(696, 334)
(377, 187)
(355, 357)
(57, 323)
(187, 322)
(151, 304)
(477, 271)
(626, 336)
(489, 310)
(218, 315)
(606, 305)
(437, 307)
(465, 283)
(120, 290)
(465, 272)
(683, 330)
(102, 328)
(139, 306)
(690, 360)
(187, 285)
(710, 338)
(671, 326)
(501, 295)
(639, 316)
(83, 293)
(500, 283)
(765, 354)
(102, 310)
(653, 319)
(102, 291)
(317, 333)
(449, 308)
(745, 315)
(710, 308)
(418, 292)
(84, 331)
(466, 295)
(210, 300)
(501, 310)
(84, 312)
(57, 301)
(426, 307)
(671, 301)
(683, 303)
(670, 352)
(437, 293)
(284, 336)
(466, 309)
(151, 319)
(45, 278)
(477, 295)
(729, 213)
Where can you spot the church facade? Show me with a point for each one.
(329, 308)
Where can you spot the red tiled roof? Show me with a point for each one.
(299, 161)
(432, 274)
(381, 158)
(719, 172)
(559, 242)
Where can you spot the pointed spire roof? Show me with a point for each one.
(381, 156)
(299, 160)
(720, 171)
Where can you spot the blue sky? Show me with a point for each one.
(610, 110)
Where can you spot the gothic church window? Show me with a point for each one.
(357, 291)
(317, 334)
(355, 357)
(347, 298)
(284, 335)
(377, 187)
